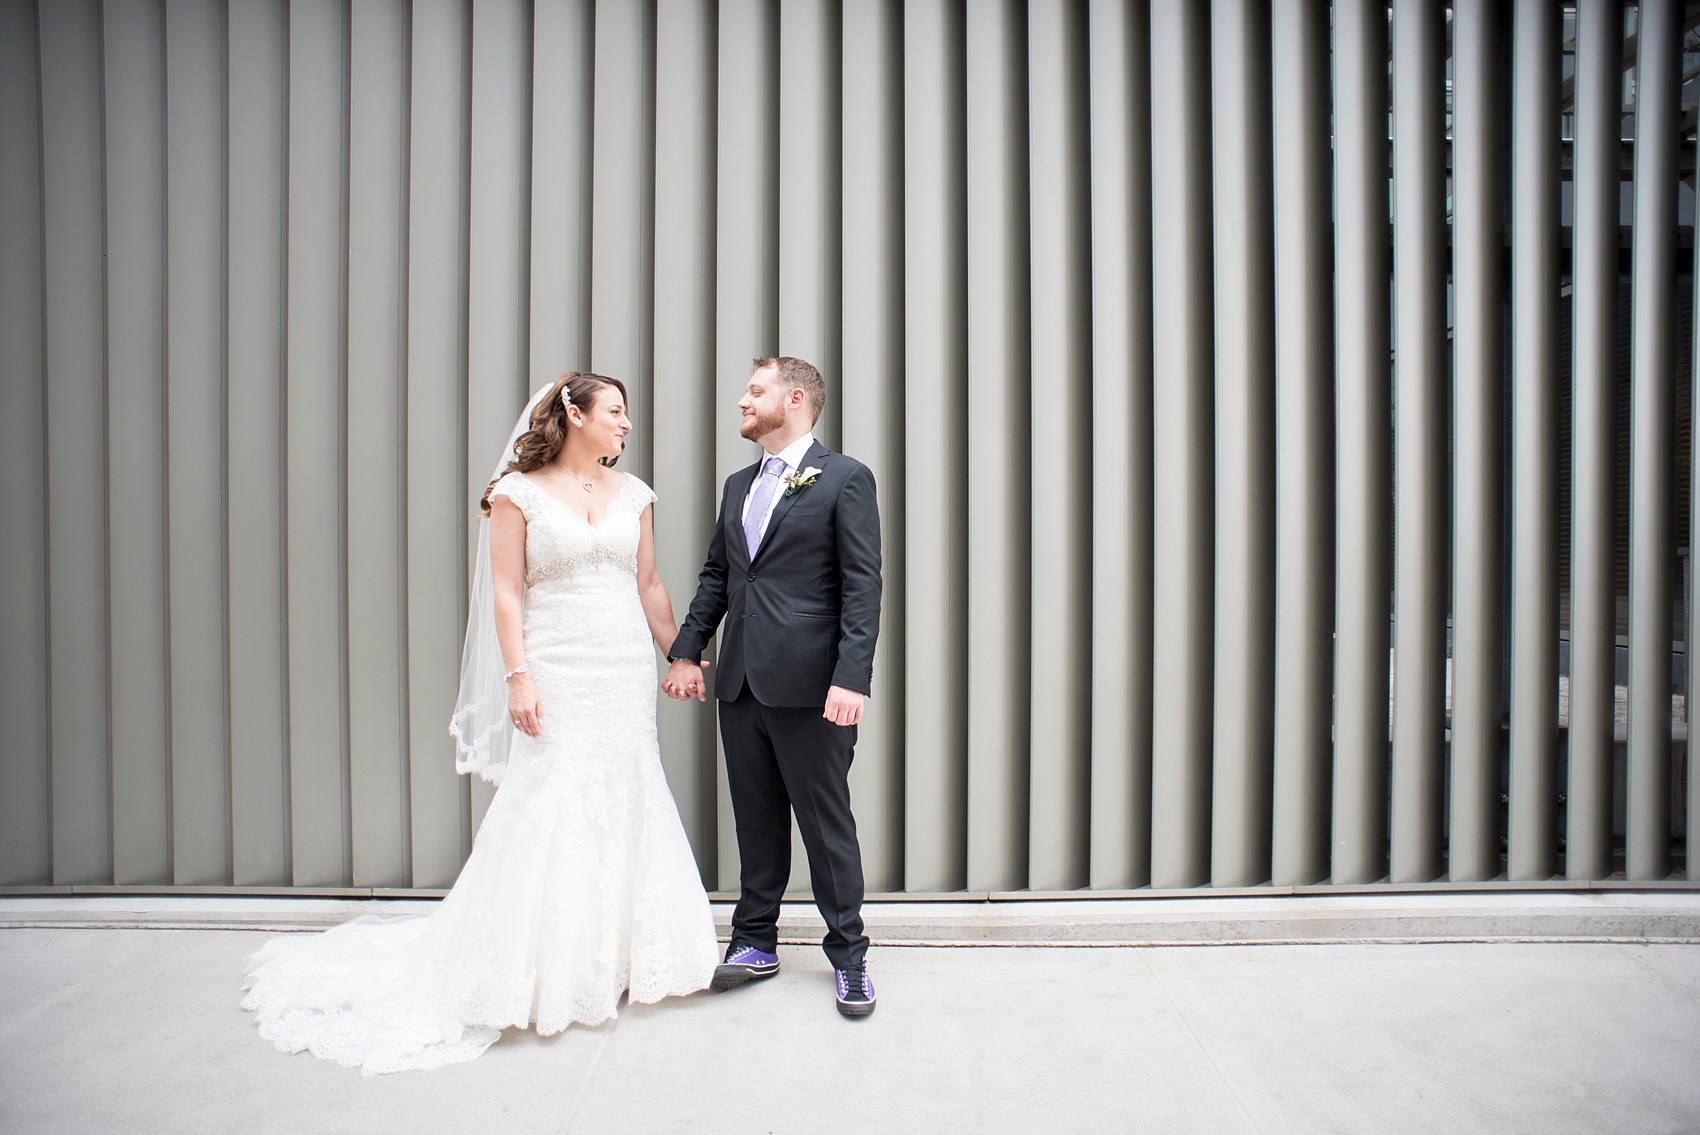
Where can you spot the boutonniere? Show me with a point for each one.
(797, 482)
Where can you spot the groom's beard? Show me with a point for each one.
(763, 425)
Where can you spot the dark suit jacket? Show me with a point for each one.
(804, 615)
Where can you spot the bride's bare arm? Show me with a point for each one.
(657, 605)
(507, 578)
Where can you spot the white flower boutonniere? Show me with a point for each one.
(797, 482)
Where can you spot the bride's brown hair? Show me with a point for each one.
(542, 442)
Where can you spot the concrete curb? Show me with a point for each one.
(1616, 916)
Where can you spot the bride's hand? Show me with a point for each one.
(524, 710)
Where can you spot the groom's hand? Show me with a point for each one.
(843, 707)
(684, 678)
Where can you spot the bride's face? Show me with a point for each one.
(604, 429)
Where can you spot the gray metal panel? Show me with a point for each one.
(195, 44)
(1244, 706)
(26, 851)
(1478, 622)
(1652, 474)
(438, 510)
(935, 446)
(1419, 456)
(622, 262)
(1120, 75)
(1304, 443)
(1532, 840)
(684, 367)
(314, 459)
(871, 419)
(377, 401)
(955, 177)
(1363, 418)
(1182, 444)
(134, 47)
(1000, 410)
(74, 294)
(1061, 596)
(1593, 523)
(563, 67)
(498, 265)
(810, 228)
(747, 261)
(258, 124)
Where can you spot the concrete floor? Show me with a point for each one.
(137, 1031)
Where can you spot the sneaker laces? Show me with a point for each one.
(853, 982)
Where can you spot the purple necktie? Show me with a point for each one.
(757, 515)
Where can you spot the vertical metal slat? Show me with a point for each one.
(314, 457)
(1651, 448)
(622, 241)
(74, 320)
(684, 368)
(1242, 192)
(1478, 647)
(935, 458)
(1000, 407)
(1182, 450)
(136, 452)
(26, 838)
(562, 93)
(257, 125)
(1304, 443)
(1363, 418)
(196, 46)
(1060, 606)
(376, 492)
(871, 417)
(1119, 42)
(1534, 431)
(1419, 552)
(1599, 51)
(439, 468)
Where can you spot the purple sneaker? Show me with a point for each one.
(743, 963)
(855, 991)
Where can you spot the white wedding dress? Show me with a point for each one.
(580, 886)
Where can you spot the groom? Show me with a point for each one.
(794, 568)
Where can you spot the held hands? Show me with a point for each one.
(524, 710)
(684, 679)
(843, 707)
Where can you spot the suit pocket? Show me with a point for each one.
(822, 616)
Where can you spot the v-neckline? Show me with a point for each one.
(584, 520)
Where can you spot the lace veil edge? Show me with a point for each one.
(480, 724)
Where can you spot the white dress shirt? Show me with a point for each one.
(792, 455)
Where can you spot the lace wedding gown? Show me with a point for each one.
(580, 887)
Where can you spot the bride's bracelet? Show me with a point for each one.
(522, 668)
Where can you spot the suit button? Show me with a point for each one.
(752, 577)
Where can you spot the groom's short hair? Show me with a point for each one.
(799, 374)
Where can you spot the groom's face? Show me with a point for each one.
(763, 405)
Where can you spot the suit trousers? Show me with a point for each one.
(781, 760)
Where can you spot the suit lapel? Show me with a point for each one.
(815, 457)
(735, 516)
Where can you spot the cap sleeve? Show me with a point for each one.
(516, 488)
(639, 494)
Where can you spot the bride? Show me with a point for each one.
(580, 886)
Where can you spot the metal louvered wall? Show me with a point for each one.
(1209, 356)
